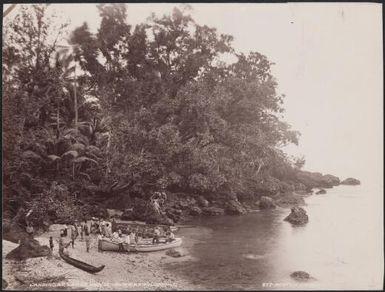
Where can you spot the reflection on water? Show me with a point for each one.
(341, 246)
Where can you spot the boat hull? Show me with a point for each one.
(160, 246)
(81, 265)
(107, 245)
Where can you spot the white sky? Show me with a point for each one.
(328, 64)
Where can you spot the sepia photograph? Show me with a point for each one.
(192, 146)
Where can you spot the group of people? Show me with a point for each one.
(132, 235)
(76, 229)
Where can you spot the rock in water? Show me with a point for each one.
(266, 203)
(297, 216)
(350, 181)
(234, 207)
(213, 211)
(321, 192)
(300, 276)
(289, 200)
(331, 179)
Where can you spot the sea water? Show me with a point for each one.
(341, 247)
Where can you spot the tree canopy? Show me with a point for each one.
(158, 109)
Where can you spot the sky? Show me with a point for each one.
(328, 63)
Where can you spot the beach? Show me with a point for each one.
(128, 271)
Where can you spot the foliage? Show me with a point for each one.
(157, 107)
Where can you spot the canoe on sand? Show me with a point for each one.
(81, 265)
(108, 245)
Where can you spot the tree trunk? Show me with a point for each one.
(75, 103)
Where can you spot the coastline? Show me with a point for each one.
(133, 271)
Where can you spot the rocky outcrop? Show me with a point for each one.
(128, 214)
(300, 276)
(321, 192)
(234, 207)
(28, 248)
(297, 216)
(213, 211)
(159, 219)
(289, 200)
(202, 202)
(266, 203)
(184, 203)
(350, 181)
(316, 179)
(13, 232)
(195, 211)
(114, 213)
(174, 214)
(331, 179)
(268, 187)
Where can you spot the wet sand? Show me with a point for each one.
(128, 271)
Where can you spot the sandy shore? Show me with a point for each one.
(129, 271)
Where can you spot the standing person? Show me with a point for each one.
(91, 226)
(51, 243)
(132, 235)
(81, 230)
(78, 229)
(73, 236)
(87, 238)
(102, 227)
(120, 241)
(61, 242)
(156, 235)
(65, 230)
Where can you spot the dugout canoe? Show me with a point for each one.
(81, 265)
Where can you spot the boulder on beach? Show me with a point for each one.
(213, 211)
(350, 181)
(266, 203)
(28, 248)
(174, 253)
(56, 227)
(13, 232)
(321, 192)
(300, 276)
(297, 216)
(234, 207)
